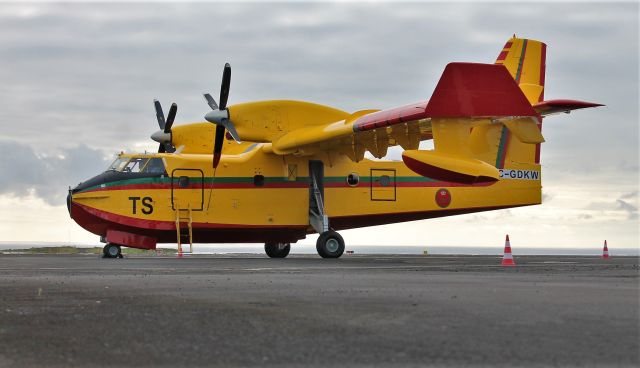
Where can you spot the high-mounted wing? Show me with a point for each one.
(467, 95)
(472, 115)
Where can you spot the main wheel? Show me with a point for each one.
(277, 250)
(330, 244)
(111, 250)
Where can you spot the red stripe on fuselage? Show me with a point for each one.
(417, 184)
(165, 225)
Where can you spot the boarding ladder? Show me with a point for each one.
(183, 216)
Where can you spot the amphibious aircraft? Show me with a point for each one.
(275, 171)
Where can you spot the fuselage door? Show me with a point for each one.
(383, 185)
(187, 189)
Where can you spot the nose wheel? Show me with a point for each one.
(277, 250)
(330, 244)
(111, 250)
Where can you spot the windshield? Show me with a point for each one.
(118, 164)
(138, 165)
(135, 165)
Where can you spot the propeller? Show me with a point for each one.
(163, 136)
(219, 115)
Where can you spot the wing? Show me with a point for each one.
(467, 95)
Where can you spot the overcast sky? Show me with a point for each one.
(78, 81)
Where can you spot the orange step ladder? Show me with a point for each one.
(183, 216)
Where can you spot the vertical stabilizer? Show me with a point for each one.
(525, 60)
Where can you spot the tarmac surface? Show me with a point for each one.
(369, 311)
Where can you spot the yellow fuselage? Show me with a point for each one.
(258, 196)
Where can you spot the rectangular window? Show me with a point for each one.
(155, 166)
(135, 165)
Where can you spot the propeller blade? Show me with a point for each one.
(159, 114)
(170, 118)
(161, 148)
(212, 103)
(217, 145)
(224, 88)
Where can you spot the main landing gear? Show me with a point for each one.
(330, 244)
(277, 250)
(111, 250)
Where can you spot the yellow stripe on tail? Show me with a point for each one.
(525, 60)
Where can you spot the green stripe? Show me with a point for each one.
(503, 139)
(521, 61)
(246, 180)
(128, 182)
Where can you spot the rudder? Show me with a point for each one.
(525, 60)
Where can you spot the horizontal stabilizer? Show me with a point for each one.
(449, 167)
(558, 106)
(468, 90)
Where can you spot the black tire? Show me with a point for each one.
(330, 244)
(277, 250)
(111, 250)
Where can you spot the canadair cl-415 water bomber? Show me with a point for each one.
(275, 171)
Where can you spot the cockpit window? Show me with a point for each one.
(155, 166)
(138, 165)
(135, 165)
(118, 164)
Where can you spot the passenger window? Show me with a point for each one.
(385, 180)
(155, 166)
(135, 165)
(183, 182)
(353, 179)
(258, 180)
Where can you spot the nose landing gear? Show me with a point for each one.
(277, 250)
(111, 250)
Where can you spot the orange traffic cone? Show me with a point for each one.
(507, 258)
(605, 251)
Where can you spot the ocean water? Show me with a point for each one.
(365, 249)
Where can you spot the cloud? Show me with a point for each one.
(623, 204)
(630, 195)
(27, 173)
(630, 209)
(78, 80)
